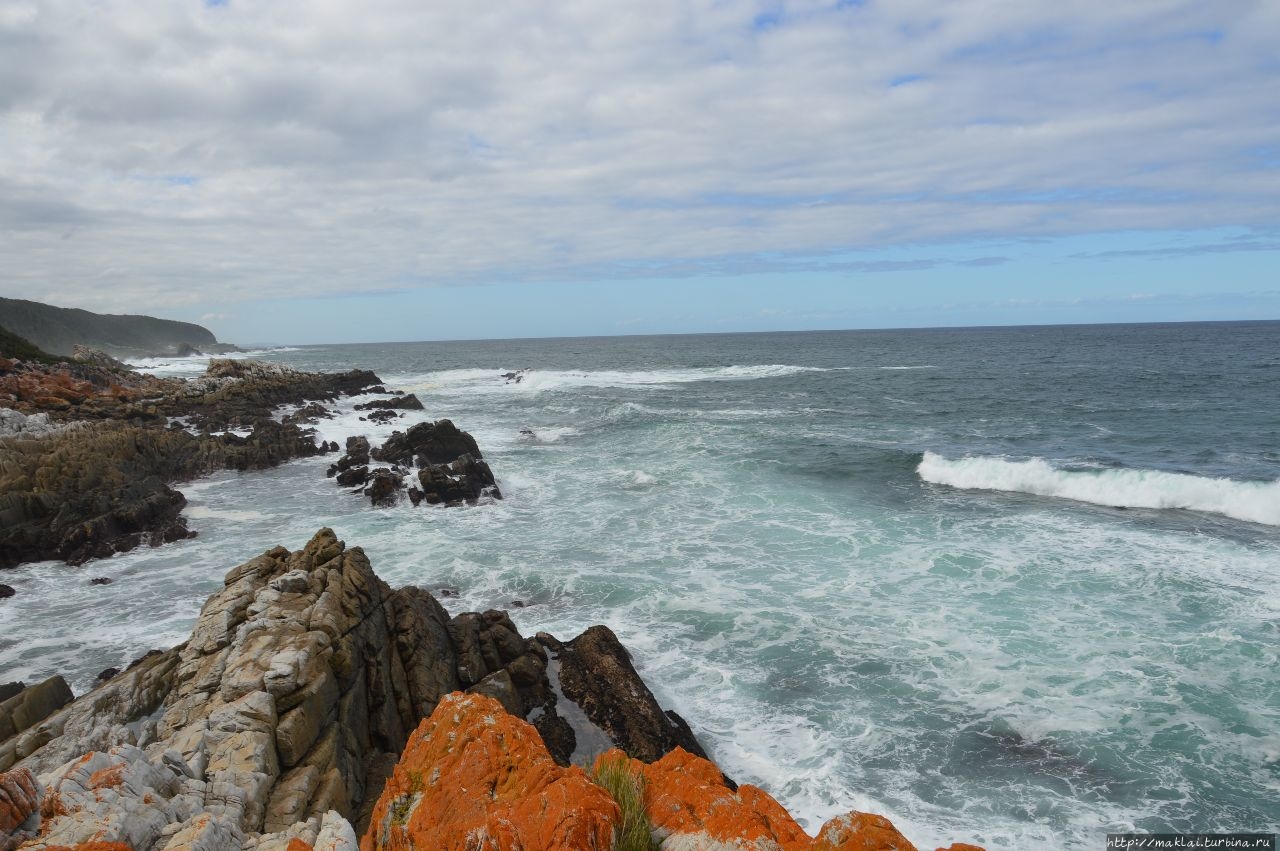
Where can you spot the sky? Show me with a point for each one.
(304, 172)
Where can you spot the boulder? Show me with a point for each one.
(427, 443)
(30, 706)
(473, 776)
(7, 590)
(464, 480)
(384, 487)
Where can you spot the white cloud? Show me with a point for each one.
(158, 152)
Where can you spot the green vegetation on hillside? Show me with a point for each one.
(20, 348)
(57, 329)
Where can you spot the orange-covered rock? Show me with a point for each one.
(686, 797)
(91, 846)
(473, 777)
(298, 845)
(861, 832)
(962, 846)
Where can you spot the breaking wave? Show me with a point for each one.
(1256, 502)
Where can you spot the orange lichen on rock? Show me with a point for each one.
(91, 846)
(474, 777)
(298, 845)
(686, 796)
(861, 832)
(962, 846)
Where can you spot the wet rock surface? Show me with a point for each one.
(450, 471)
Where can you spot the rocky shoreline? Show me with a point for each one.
(314, 707)
(90, 450)
(313, 704)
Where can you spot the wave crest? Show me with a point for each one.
(1255, 502)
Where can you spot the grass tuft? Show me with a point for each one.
(627, 789)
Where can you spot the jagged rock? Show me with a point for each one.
(77, 492)
(277, 724)
(88, 492)
(101, 580)
(7, 590)
(408, 402)
(97, 721)
(596, 673)
(526, 801)
(384, 486)
(464, 480)
(427, 443)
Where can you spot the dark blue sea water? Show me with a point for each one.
(1011, 586)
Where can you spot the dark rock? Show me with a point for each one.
(7, 590)
(8, 690)
(415, 495)
(402, 403)
(382, 416)
(515, 377)
(354, 476)
(101, 580)
(384, 487)
(186, 350)
(106, 675)
(517, 604)
(527, 433)
(427, 443)
(596, 673)
(447, 592)
(309, 415)
(464, 480)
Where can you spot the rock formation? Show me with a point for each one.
(450, 470)
(474, 777)
(77, 490)
(284, 713)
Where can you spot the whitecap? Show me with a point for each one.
(1256, 502)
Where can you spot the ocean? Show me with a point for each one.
(1011, 586)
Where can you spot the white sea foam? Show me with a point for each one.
(1256, 502)
(549, 380)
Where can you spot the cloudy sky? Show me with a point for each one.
(291, 171)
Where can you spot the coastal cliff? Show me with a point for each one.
(59, 330)
(313, 704)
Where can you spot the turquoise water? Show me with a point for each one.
(1008, 586)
